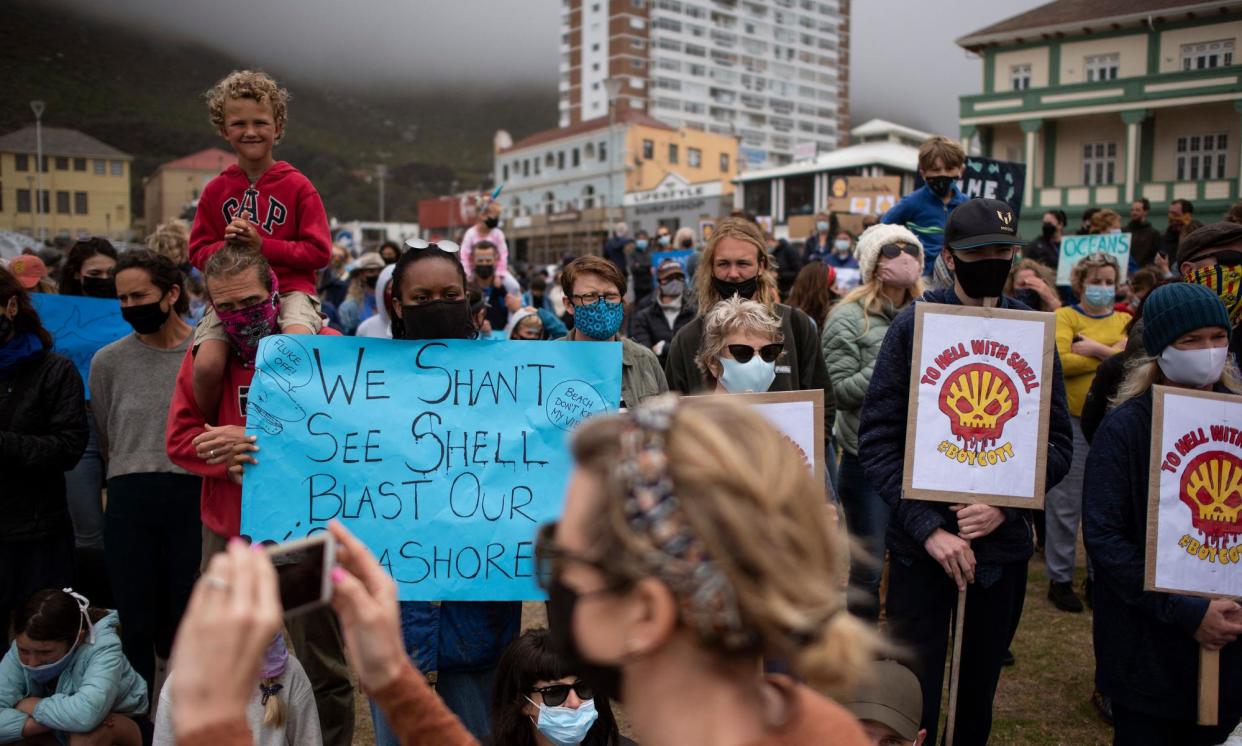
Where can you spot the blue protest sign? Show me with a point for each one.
(80, 327)
(1074, 248)
(443, 456)
(682, 256)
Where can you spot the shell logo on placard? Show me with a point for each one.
(978, 400)
(1211, 487)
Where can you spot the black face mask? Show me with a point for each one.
(745, 288)
(983, 278)
(372, 282)
(147, 318)
(99, 287)
(1049, 230)
(491, 223)
(604, 679)
(437, 319)
(484, 271)
(687, 244)
(940, 185)
(536, 300)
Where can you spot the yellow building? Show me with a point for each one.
(564, 188)
(177, 184)
(84, 186)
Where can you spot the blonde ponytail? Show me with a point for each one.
(274, 708)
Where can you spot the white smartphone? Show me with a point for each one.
(304, 572)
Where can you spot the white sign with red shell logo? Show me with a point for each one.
(980, 396)
(1194, 535)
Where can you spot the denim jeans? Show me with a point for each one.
(866, 516)
(468, 694)
(84, 491)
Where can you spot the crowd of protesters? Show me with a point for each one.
(121, 491)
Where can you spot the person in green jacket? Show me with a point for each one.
(890, 260)
(65, 676)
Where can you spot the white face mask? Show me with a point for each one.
(1197, 368)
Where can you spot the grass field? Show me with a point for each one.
(1044, 700)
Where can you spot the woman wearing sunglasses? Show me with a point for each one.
(539, 701)
(741, 342)
(694, 543)
(890, 260)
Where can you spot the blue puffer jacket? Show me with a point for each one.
(882, 449)
(99, 681)
(925, 214)
(1146, 657)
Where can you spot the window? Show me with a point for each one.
(648, 150)
(1201, 157)
(694, 157)
(79, 164)
(560, 160)
(603, 151)
(1019, 77)
(548, 160)
(504, 172)
(1207, 54)
(577, 158)
(672, 153)
(724, 163)
(23, 200)
(526, 167)
(62, 202)
(118, 168)
(21, 162)
(638, 44)
(62, 163)
(101, 168)
(595, 47)
(1102, 66)
(45, 201)
(1099, 163)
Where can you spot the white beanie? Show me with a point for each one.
(867, 250)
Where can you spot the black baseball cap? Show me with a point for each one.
(981, 222)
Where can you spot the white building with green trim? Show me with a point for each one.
(1107, 101)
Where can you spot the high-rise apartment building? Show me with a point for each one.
(774, 73)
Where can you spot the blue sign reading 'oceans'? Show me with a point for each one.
(443, 456)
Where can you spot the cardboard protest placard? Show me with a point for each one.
(1075, 248)
(1194, 535)
(80, 327)
(980, 397)
(443, 456)
(799, 415)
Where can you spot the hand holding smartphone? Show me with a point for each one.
(304, 572)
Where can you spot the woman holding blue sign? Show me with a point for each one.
(42, 433)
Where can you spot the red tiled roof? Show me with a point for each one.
(1088, 12)
(211, 159)
(624, 116)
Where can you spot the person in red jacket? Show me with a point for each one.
(241, 281)
(261, 203)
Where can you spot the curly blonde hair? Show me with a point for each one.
(252, 84)
(171, 239)
(732, 316)
(747, 495)
(1098, 260)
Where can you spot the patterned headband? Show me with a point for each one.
(675, 555)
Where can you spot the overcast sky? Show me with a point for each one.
(904, 65)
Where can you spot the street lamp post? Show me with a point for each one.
(37, 107)
(612, 86)
(381, 171)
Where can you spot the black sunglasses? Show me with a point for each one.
(743, 353)
(556, 694)
(891, 250)
(418, 243)
(550, 557)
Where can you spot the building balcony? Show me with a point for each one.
(1070, 99)
(1159, 192)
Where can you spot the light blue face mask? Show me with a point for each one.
(754, 375)
(641, 244)
(565, 726)
(52, 671)
(599, 320)
(821, 226)
(1100, 296)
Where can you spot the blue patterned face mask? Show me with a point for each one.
(599, 320)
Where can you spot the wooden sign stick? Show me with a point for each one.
(959, 625)
(1209, 686)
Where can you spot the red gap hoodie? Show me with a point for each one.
(286, 210)
(220, 503)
